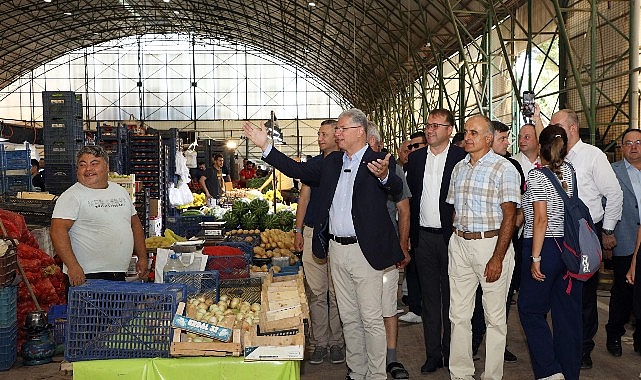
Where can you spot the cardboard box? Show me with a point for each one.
(181, 347)
(274, 346)
(155, 208)
(155, 226)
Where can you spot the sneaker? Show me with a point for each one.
(336, 354)
(319, 355)
(410, 318)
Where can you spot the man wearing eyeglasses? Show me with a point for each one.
(428, 177)
(353, 229)
(596, 182)
(628, 172)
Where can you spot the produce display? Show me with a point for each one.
(274, 244)
(43, 272)
(200, 199)
(229, 312)
(165, 241)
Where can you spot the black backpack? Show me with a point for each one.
(581, 249)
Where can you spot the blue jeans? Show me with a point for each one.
(550, 353)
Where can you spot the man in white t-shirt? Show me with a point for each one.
(95, 228)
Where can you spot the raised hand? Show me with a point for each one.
(379, 167)
(256, 134)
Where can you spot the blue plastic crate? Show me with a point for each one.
(8, 346)
(8, 306)
(120, 320)
(196, 282)
(230, 267)
(57, 317)
(13, 184)
(288, 270)
(247, 248)
(16, 159)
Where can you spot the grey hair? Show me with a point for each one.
(372, 131)
(94, 150)
(356, 116)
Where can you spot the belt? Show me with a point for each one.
(432, 230)
(344, 240)
(476, 235)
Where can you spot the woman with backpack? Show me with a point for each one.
(544, 288)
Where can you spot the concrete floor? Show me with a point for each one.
(411, 354)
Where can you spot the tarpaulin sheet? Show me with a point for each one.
(210, 368)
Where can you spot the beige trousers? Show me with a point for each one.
(326, 323)
(359, 292)
(467, 261)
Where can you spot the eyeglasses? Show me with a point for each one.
(630, 143)
(342, 129)
(415, 145)
(435, 125)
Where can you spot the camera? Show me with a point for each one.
(528, 104)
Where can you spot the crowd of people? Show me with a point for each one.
(472, 226)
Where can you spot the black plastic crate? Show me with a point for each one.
(61, 102)
(247, 289)
(62, 131)
(62, 153)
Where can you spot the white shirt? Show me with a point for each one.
(526, 164)
(430, 215)
(596, 180)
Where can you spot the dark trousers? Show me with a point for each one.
(590, 311)
(431, 265)
(413, 286)
(559, 352)
(621, 297)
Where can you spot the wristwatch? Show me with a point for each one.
(298, 231)
(607, 232)
(536, 259)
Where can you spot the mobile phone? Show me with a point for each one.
(528, 104)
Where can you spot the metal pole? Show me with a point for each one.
(272, 118)
(634, 64)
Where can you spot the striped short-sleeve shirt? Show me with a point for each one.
(540, 189)
(478, 191)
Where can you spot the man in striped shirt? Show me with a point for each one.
(485, 193)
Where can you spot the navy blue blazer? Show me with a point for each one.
(415, 174)
(626, 229)
(375, 232)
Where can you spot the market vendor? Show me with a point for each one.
(95, 226)
(248, 172)
(213, 180)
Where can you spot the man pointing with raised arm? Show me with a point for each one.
(353, 229)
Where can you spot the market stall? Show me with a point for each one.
(224, 368)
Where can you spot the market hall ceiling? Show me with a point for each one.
(365, 49)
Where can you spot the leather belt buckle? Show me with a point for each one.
(477, 235)
(344, 240)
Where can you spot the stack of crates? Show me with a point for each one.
(15, 170)
(114, 140)
(8, 326)
(63, 138)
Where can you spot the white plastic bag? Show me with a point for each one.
(193, 261)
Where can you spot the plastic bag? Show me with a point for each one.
(193, 261)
